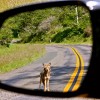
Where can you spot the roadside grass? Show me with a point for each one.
(78, 40)
(7, 4)
(19, 55)
(74, 40)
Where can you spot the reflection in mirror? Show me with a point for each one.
(46, 46)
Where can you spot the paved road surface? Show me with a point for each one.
(63, 62)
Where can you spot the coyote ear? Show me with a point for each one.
(49, 63)
(43, 64)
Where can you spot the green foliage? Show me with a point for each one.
(48, 25)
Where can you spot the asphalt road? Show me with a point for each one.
(63, 64)
(69, 64)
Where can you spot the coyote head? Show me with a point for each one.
(47, 67)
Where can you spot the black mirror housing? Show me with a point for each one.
(90, 85)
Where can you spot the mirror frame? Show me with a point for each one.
(90, 85)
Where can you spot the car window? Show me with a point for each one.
(58, 37)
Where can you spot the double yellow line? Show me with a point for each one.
(79, 68)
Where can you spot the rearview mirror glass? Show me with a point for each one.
(50, 46)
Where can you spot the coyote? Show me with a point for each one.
(45, 76)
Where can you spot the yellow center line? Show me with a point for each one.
(67, 87)
(77, 84)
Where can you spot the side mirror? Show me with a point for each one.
(56, 35)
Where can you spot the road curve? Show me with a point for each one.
(65, 71)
